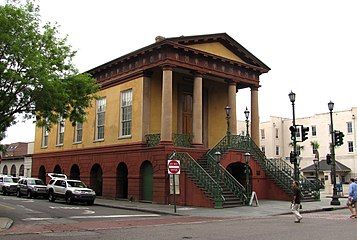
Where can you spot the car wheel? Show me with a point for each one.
(18, 193)
(69, 199)
(91, 202)
(4, 192)
(29, 194)
(51, 198)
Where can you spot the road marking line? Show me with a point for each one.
(36, 219)
(5, 206)
(88, 212)
(70, 208)
(116, 216)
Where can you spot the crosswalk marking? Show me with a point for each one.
(92, 217)
(116, 216)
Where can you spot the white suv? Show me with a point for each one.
(8, 184)
(70, 190)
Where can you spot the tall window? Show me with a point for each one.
(350, 146)
(60, 131)
(349, 127)
(262, 134)
(126, 112)
(99, 133)
(263, 149)
(277, 150)
(44, 137)
(313, 130)
(276, 133)
(78, 132)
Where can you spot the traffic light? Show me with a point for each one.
(328, 159)
(292, 157)
(304, 133)
(338, 138)
(292, 132)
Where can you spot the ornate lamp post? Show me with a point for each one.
(247, 173)
(335, 200)
(292, 96)
(316, 164)
(217, 155)
(228, 116)
(246, 113)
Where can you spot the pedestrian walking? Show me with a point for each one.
(295, 204)
(352, 198)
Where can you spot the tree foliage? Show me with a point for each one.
(37, 75)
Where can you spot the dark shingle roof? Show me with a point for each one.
(323, 166)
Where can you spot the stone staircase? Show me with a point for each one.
(230, 199)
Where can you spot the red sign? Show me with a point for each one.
(173, 166)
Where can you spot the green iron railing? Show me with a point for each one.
(281, 171)
(221, 174)
(179, 140)
(182, 140)
(200, 176)
(153, 140)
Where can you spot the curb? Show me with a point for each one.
(324, 209)
(5, 223)
(139, 209)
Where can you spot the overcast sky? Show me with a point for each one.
(310, 46)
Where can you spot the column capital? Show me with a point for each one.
(254, 88)
(198, 74)
(230, 82)
(167, 67)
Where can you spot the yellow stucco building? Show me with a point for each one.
(167, 97)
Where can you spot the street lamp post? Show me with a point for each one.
(316, 164)
(217, 155)
(228, 116)
(247, 173)
(246, 113)
(335, 200)
(292, 96)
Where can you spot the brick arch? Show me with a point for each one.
(13, 170)
(22, 170)
(146, 181)
(122, 181)
(42, 173)
(57, 169)
(4, 170)
(75, 172)
(96, 179)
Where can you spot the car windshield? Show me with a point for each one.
(35, 182)
(9, 180)
(15, 179)
(76, 184)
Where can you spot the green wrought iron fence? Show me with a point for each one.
(179, 140)
(200, 177)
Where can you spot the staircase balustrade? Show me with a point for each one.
(200, 176)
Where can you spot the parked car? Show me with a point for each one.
(31, 187)
(7, 185)
(70, 190)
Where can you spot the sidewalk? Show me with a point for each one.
(265, 208)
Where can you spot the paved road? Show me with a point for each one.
(61, 221)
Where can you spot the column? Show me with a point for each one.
(254, 126)
(232, 89)
(166, 105)
(197, 110)
(146, 100)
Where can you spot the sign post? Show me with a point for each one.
(173, 168)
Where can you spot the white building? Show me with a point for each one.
(17, 160)
(275, 139)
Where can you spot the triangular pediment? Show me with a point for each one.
(220, 44)
(218, 49)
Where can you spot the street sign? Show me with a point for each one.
(173, 166)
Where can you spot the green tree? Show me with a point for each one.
(37, 75)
